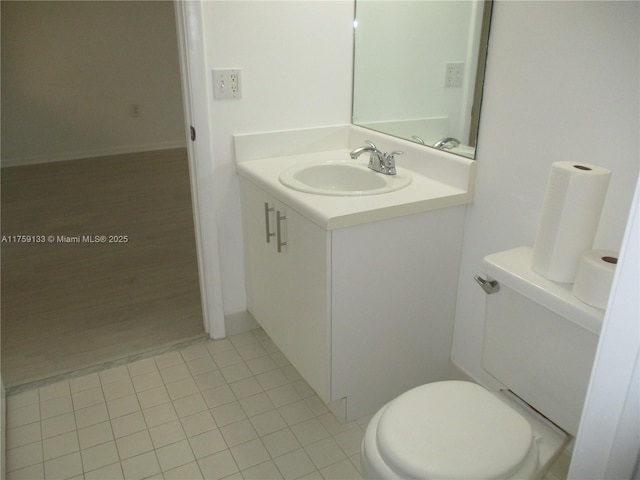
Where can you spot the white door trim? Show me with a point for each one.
(201, 162)
(607, 443)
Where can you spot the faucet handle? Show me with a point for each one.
(390, 162)
(390, 156)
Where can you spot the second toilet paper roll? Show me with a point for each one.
(595, 277)
(570, 215)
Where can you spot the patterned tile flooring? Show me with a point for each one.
(232, 408)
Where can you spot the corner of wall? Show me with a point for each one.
(239, 322)
(458, 373)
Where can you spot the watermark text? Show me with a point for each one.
(63, 239)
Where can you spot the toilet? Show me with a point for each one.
(539, 344)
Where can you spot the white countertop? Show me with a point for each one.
(333, 212)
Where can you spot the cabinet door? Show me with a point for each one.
(261, 266)
(288, 283)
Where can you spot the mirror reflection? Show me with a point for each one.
(419, 68)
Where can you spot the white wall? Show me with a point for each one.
(70, 71)
(394, 39)
(562, 84)
(295, 60)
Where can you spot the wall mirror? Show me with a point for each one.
(419, 69)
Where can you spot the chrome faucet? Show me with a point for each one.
(380, 162)
(446, 143)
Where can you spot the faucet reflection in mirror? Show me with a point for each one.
(419, 69)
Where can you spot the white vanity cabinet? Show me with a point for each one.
(363, 312)
(287, 285)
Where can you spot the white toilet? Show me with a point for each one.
(539, 343)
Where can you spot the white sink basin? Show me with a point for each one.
(341, 178)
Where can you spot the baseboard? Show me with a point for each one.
(62, 156)
(239, 322)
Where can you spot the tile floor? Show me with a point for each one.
(232, 408)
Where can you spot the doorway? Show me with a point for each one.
(71, 300)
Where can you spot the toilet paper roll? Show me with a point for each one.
(595, 277)
(570, 216)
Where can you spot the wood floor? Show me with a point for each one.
(68, 303)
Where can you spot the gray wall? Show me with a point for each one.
(71, 71)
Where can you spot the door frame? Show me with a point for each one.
(201, 161)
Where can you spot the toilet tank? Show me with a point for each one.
(539, 339)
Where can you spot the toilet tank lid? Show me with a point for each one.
(512, 269)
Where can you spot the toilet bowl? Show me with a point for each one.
(458, 430)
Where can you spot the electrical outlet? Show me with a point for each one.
(454, 74)
(134, 110)
(226, 83)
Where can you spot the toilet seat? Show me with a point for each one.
(453, 430)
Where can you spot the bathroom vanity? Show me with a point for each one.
(357, 291)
